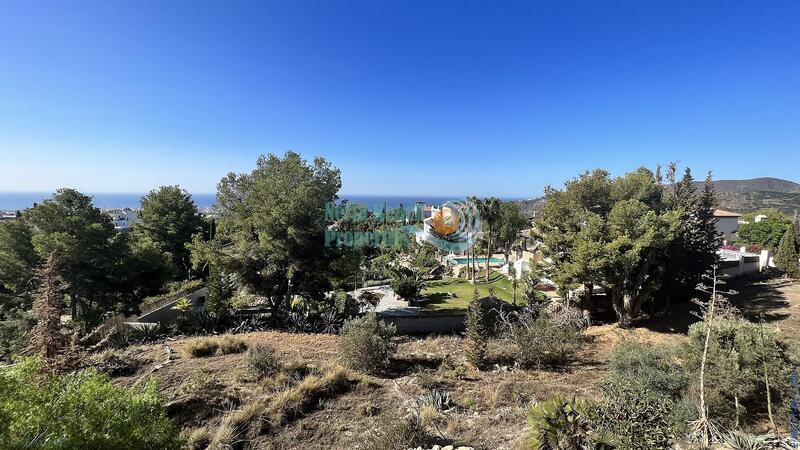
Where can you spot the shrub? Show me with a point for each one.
(633, 416)
(543, 339)
(560, 424)
(738, 353)
(80, 410)
(406, 286)
(403, 433)
(229, 345)
(477, 331)
(262, 361)
(365, 344)
(655, 368)
(200, 347)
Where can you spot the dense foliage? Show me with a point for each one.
(787, 258)
(630, 235)
(80, 410)
(169, 220)
(270, 232)
(766, 233)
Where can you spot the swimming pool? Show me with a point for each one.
(492, 261)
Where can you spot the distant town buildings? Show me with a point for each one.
(7, 216)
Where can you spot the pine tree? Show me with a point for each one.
(48, 307)
(788, 254)
(477, 331)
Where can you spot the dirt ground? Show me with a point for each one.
(490, 404)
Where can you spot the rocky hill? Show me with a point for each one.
(758, 193)
(741, 196)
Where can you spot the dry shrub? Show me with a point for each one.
(365, 344)
(229, 345)
(545, 337)
(262, 361)
(405, 432)
(200, 347)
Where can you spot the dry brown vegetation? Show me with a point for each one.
(315, 403)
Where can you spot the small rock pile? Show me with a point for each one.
(446, 447)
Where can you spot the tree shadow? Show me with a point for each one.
(759, 297)
(438, 298)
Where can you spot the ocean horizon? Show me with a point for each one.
(12, 201)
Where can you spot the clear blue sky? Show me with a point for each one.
(406, 97)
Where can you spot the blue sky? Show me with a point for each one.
(406, 97)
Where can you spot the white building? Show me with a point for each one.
(727, 223)
(123, 218)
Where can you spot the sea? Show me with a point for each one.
(12, 201)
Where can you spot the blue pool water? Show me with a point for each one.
(479, 260)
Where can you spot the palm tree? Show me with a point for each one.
(471, 200)
(490, 213)
(514, 284)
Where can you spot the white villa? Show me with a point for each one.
(727, 223)
(123, 218)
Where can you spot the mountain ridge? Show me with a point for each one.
(742, 196)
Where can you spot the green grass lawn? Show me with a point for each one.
(436, 298)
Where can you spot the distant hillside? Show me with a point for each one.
(741, 196)
(530, 206)
(758, 193)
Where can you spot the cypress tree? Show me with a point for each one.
(477, 331)
(786, 259)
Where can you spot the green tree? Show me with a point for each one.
(510, 224)
(106, 271)
(766, 233)
(270, 233)
(18, 259)
(787, 258)
(80, 234)
(638, 237)
(694, 248)
(170, 219)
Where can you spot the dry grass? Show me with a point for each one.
(294, 401)
(197, 438)
(200, 347)
(228, 345)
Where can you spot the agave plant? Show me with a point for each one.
(330, 322)
(298, 322)
(144, 334)
(738, 440)
(439, 400)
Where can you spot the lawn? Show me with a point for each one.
(436, 295)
